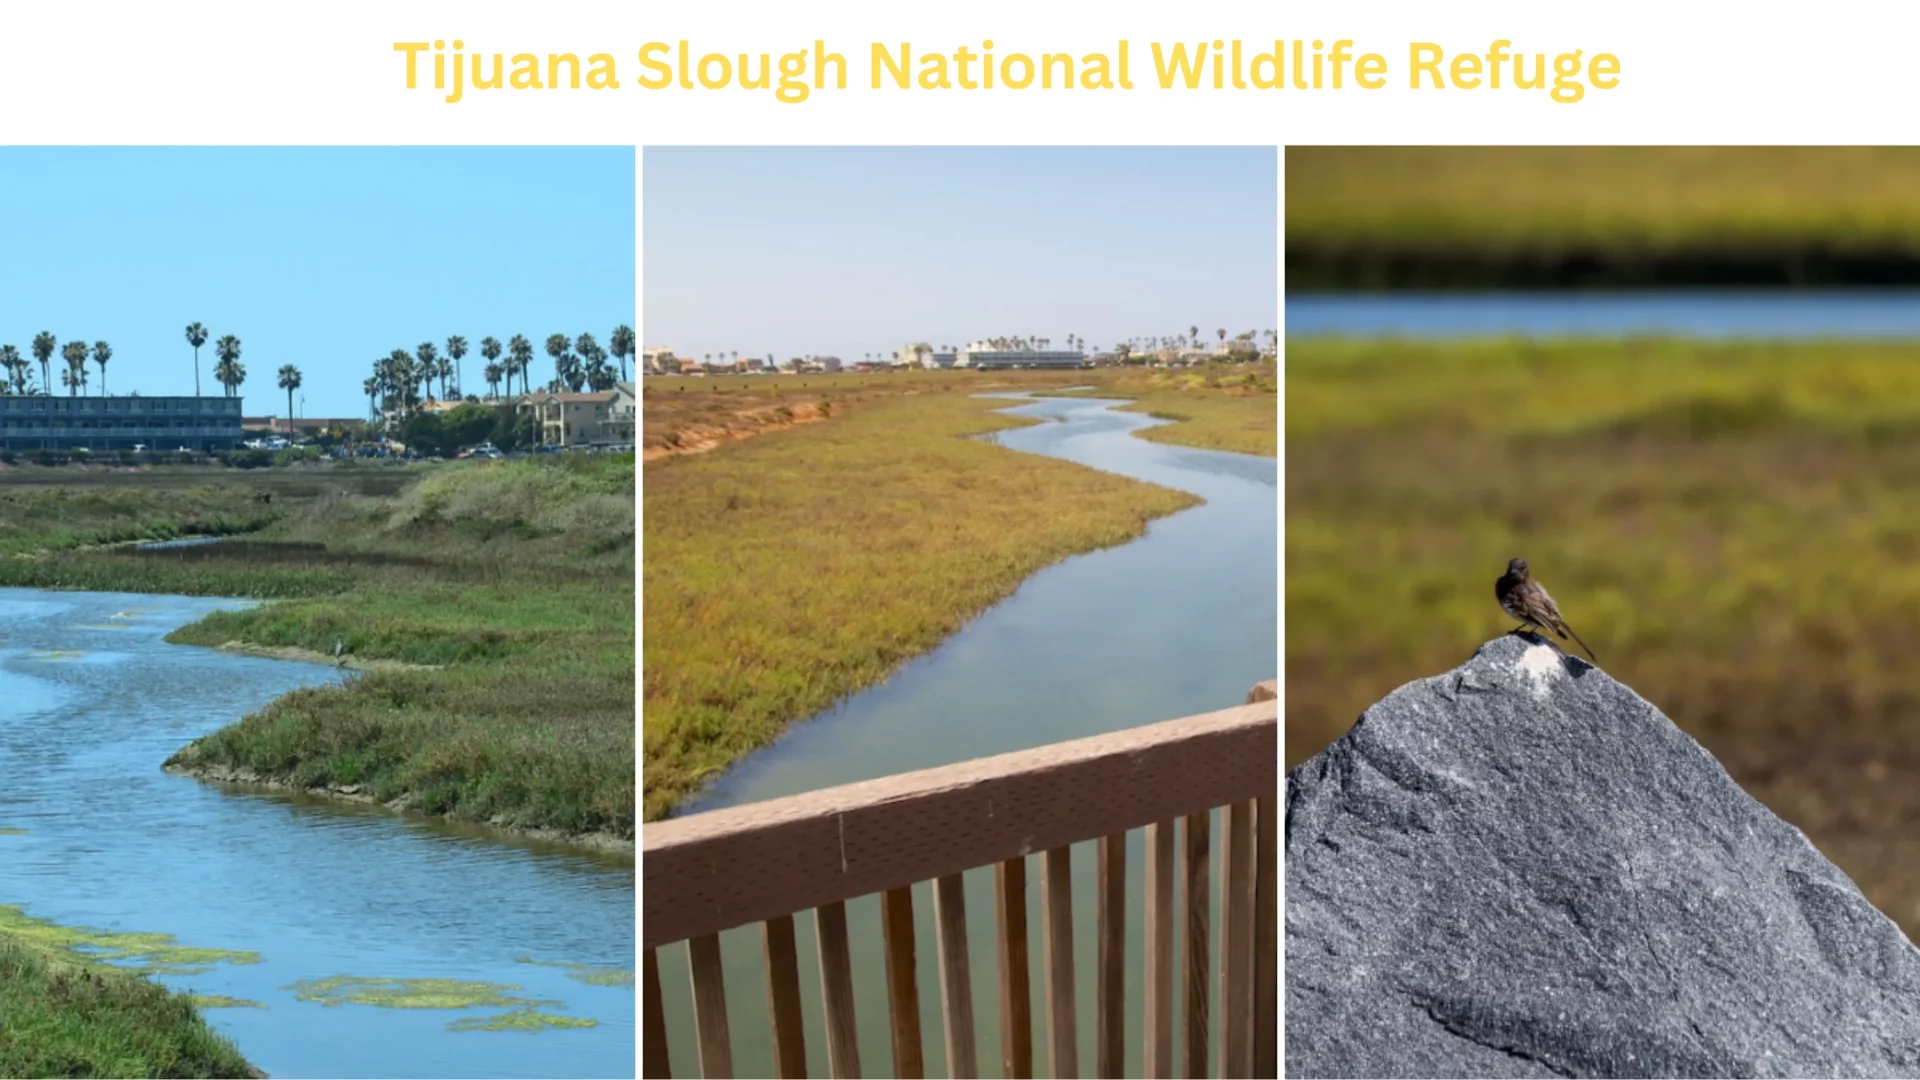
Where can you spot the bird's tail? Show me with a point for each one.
(1583, 645)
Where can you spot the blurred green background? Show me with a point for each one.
(1731, 519)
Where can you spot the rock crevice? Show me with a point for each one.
(1522, 868)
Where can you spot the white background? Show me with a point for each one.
(277, 73)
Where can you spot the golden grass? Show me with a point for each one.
(783, 573)
(1733, 528)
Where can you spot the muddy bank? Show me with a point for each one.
(349, 662)
(243, 779)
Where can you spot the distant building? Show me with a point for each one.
(944, 359)
(622, 413)
(119, 423)
(660, 361)
(567, 419)
(990, 359)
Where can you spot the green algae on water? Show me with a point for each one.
(591, 974)
(409, 993)
(521, 1020)
(54, 654)
(5, 831)
(221, 1001)
(523, 1014)
(152, 954)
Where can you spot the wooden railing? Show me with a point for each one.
(763, 862)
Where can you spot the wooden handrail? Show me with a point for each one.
(765, 862)
(709, 872)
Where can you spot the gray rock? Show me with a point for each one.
(1521, 868)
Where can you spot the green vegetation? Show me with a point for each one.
(1214, 406)
(513, 579)
(522, 1014)
(786, 572)
(1529, 217)
(68, 1007)
(1734, 528)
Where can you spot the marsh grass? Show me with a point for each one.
(686, 412)
(1734, 528)
(73, 1003)
(1370, 217)
(1216, 406)
(783, 573)
(515, 579)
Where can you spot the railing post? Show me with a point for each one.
(1156, 1061)
(783, 998)
(655, 1061)
(903, 985)
(1110, 1029)
(1056, 947)
(956, 982)
(710, 1007)
(1196, 945)
(836, 990)
(1016, 995)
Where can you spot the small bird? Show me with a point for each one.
(1525, 599)
(339, 649)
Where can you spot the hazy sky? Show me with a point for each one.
(849, 250)
(324, 258)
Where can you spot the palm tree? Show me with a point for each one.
(371, 388)
(75, 354)
(585, 346)
(492, 373)
(196, 337)
(521, 350)
(102, 352)
(490, 348)
(44, 344)
(289, 381)
(401, 380)
(457, 348)
(16, 367)
(228, 371)
(1223, 334)
(557, 345)
(621, 345)
(428, 365)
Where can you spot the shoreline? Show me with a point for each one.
(312, 656)
(243, 779)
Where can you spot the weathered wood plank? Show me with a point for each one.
(1196, 836)
(1056, 950)
(1236, 940)
(710, 1007)
(708, 872)
(903, 983)
(956, 981)
(1110, 973)
(836, 990)
(1157, 1058)
(783, 997)
(1266, 941)
(1016, 994)
(655, 1061)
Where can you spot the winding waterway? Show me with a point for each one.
(93, 833)
(1182, 620)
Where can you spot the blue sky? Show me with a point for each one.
(849, 250)
(325, 258)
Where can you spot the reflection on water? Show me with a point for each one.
(1854, 313)
(1181, 621)
(94, 701)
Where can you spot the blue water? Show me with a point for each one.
(1728, 314)
(93, 700)
(1183, 620)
